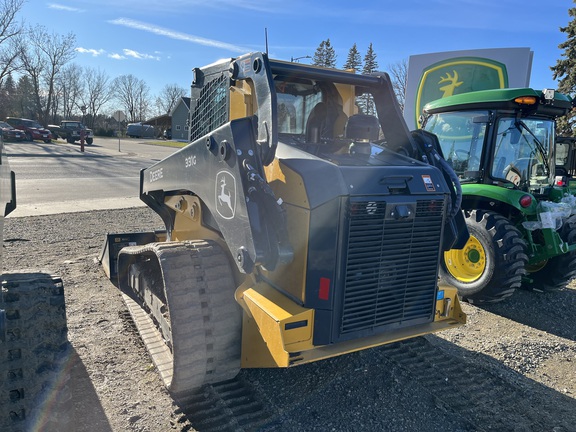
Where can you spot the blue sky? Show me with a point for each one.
(160, 42)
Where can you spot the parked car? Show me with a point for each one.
(10, 133)
(139, 130)
(71, 131)
(31, 128)
(168, 133)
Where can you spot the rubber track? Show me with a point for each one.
(33, 355)
(205, 319)
(229, 406)
(469, 391)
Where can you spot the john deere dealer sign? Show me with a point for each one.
(435, 76)
(459, 75)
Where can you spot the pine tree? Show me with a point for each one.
(319, 55)
(25, 99)
(370, 66)
(330, 55)
(7, 97)
(370, 63)
(565, 71)
(353, 61)
(325, 56)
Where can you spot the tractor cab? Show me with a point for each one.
(514, 149)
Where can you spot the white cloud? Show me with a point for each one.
(177, 35)
(137, 55)
(116, 56)
(64, 8)
(94, 52)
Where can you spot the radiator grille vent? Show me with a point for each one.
(391, 267)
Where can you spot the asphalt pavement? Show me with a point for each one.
(38, 193)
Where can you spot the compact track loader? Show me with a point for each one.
(297, 227)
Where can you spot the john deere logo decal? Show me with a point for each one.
(459, 75)
(225, 194)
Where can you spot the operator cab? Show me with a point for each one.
(330, 121)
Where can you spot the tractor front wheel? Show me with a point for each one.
(557, 272)
(490, 266)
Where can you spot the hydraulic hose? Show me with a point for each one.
(445, 166)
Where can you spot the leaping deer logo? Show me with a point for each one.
(448, 89)
(225, 195)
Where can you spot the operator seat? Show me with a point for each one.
(316, 125)
(325, 121)
(362, 129)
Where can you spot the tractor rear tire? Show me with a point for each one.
(490, 266)
(558, 271)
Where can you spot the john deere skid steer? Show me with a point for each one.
(297, 228)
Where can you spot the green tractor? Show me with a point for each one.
(501, 144)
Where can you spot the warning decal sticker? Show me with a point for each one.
(428, 183)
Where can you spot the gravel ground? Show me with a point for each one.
(512, 367)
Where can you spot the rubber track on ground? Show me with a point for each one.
(32, 358)
(229, 406)
(204, 317)
(470, 391)
(199, 279)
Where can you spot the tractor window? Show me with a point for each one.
(521, 151)
(562, 151)
(461, 136)
(565, 156)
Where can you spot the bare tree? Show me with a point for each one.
(69, 88)
(43, 57)
(10, 29)
(169, 97)
(399, 75)
(132, 94)
(97, 92)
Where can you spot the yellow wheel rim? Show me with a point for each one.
(466, 264)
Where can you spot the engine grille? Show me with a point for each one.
(391, 266)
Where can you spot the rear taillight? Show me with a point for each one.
(324, 289)
(526, 201)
